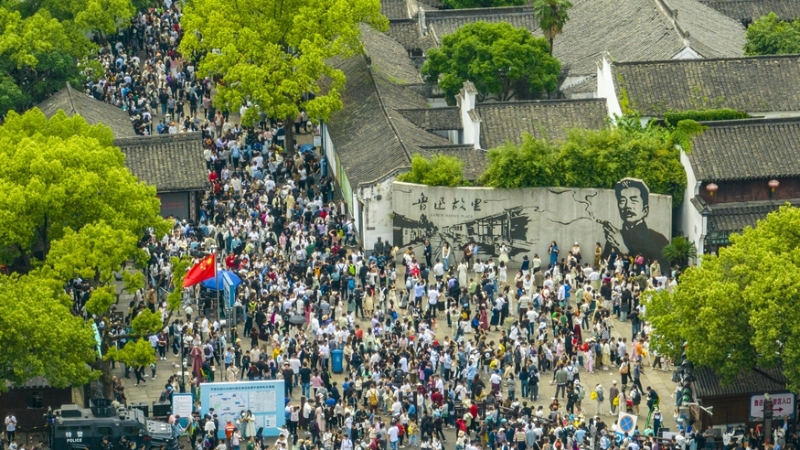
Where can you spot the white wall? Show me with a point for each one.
(327, 144)
(687, 53)
(466, 100)
(692, 223)
(606, 89)
(377, 212)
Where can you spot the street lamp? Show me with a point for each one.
(182, 384)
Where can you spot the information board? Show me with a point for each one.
(182, 405)
(265, 399)
(783, 405)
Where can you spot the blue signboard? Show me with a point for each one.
(265, 399)
(229, 289)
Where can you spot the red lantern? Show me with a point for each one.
(711, 188)
(773, 184)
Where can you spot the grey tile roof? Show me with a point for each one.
(505, 122)
(707, 384)
(442, 23)
(734, 217)
(753, 84)
(94, 111)
(170, 162)
(434, 118)
(370, 137)
(642, 30)
(475, 161)
(748, 10)
(406, 32)
(747, 149)
(395, 9)
(438, 4)
(388, 57)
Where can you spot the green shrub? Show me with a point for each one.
(672, 118)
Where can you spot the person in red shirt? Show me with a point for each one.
(437, 397)
(212, 176)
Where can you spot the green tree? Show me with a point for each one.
(597, 159)
(62, 174)
(515, 166)
(461, 4)
(499, 59)
(44, 44)
(95, 253)
(440, 170)
(275, 53)
(739, 310)
(552, 16)
(768, 35)
(679, 251)
(40, 335)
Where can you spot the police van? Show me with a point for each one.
(105, 427)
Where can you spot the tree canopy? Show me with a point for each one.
(275, 53)
(62, 174)
(40, 335)
(768, 35)
(499, 59)
(596, 159)
(42, 43)
(739, 310)
(552, 16)
(440, 170)
(71, 209)
(461, 4)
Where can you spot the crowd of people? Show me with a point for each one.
(429, 345)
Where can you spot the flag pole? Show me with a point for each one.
(216, 280)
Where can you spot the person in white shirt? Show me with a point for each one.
(433, 299)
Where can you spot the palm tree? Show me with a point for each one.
(552, 15)
(679, 250)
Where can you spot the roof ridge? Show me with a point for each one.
(543, 102)
(750, 121)
(473, 12)
(71, 101)
(703, 60)
(384, 108)
(426, 109)
(136, 140)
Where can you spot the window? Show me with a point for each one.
(105, 431)
(130, 431)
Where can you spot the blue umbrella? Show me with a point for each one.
(306, 148)
(216, 284)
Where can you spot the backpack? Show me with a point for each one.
(373, 397)
(351, 284)
(624, 368)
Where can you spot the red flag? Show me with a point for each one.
(202, 271)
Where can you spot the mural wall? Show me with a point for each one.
(628, 218)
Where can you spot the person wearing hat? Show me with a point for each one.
(613, 393)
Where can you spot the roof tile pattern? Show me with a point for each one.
(754, 84)
(749, 10)
(445, 22)
(735, 217)
(506, 122)
(434, 118)
(371, 138)
(94, 111)
(170, 162)
(748, 382)
(747, 149)
(641, 30)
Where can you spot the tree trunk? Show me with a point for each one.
(106, 378)
(551, 45)
(288, 142)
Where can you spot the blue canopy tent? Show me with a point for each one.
(216, 284)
